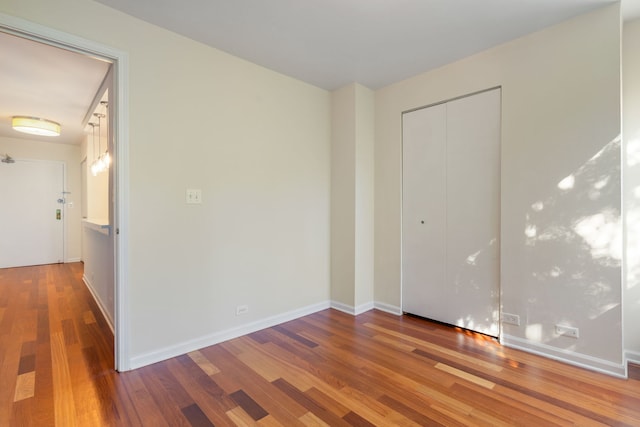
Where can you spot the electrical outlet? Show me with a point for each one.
(512, 319)
(194, 196)
(567, 331)
(242, 309)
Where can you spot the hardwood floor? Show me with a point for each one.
(329, 368)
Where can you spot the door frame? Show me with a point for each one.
(120, 222)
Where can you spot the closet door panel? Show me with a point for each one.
(423, 209)
(473, 212)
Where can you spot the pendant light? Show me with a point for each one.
(101, 163)
(106, 158)
(94, 164)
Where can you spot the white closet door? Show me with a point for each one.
(463, 289)
(473, 212)
(424, 209)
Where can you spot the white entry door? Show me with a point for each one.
(451, 212)
(31, 213)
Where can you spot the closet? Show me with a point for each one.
(451, 212)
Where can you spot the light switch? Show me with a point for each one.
(194, 196)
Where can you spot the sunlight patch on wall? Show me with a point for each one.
(555, 232)
(602, 310)
(533, 332)
(530, 231)
(633, 245)
(576, 234)
(602, 232)
(633, 152)
(633, 217)
(555, 272)
(538, 206)
(471, 259)
(567, 183)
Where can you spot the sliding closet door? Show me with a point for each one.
(473, 212)
(424, 211)
(464, 289)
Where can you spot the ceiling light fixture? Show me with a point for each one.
(35, 126)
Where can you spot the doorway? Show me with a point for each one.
(119, 174)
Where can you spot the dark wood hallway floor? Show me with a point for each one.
(329, 368)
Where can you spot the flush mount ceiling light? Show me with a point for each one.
(35, 126)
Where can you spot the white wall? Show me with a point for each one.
(98, 270)
(364, 200)
(256, 143)
(631, 133)
(560, 243)
(352, 180)
(69, 155)
(343, 195)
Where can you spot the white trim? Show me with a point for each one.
(120, 59)
(349, 309)
(632, 356)
(70, 260)
(362, 308)
(566, 356)
(121, 220)
(218, 337)
(388, 308)
(96, 298)
(65, 210)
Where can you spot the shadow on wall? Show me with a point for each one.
(575, 239)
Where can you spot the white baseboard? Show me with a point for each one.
(566, 356)
(354, 311)
(632, 356)
(99, 302)
(70, 260)
(363, 308)
(388, 308)
(218, 337)
(349, 309)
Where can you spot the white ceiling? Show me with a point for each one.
(331, 43)
(43, 81)
(328, 43)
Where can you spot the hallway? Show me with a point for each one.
(53, 335)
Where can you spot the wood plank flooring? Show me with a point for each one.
(329, 368)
